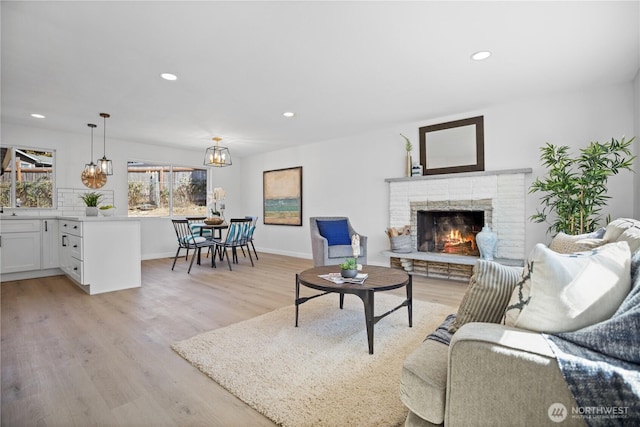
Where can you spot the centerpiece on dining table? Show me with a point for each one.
(216, 217)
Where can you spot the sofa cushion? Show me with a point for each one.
(488, 294)
(565, 292)
(423, 381)
(565, 243)
(624, 229)
(335, 231)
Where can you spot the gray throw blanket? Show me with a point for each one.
(601, 363)
(442, 334)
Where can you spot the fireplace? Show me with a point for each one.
(449, 232)
(499, 196)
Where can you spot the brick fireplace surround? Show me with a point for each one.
(499, 194)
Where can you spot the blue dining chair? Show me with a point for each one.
(237, 237)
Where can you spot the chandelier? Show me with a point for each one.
(217, 156)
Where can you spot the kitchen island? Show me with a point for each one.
(99, 254)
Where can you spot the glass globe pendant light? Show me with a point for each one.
(105, 164)
(90, 169)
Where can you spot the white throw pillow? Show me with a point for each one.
(566, 292)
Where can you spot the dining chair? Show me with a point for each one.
(194, 224)
(187, 240)
(237, 237)
(193, 221)
(254, 221)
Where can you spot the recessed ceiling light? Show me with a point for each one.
(288, 114)
(37, 116)
(169, 76)
(479, 56)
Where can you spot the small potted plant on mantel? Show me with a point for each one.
(349, 268)
(91, 200)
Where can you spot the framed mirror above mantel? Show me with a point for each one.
(452, 147)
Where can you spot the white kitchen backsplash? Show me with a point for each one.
(70, 203)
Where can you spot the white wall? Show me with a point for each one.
(346, 176)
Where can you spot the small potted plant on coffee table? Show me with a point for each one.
(349, 268)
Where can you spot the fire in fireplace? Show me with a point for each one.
(449, 232)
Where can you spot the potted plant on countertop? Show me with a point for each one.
(349, 268)
(91, 200)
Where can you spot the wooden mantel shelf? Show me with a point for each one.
(460, 175)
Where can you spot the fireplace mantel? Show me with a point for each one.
(461, 175)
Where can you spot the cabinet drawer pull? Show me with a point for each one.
(75, 227)
(75, 268)
(63, 243)
(75, 246)
(45, 226)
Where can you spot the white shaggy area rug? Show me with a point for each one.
(320, 373)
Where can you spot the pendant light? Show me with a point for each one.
(105, 164)
(90, 169)
(216, 155)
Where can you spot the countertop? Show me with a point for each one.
(10, 217)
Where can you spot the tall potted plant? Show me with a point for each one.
(575, 189)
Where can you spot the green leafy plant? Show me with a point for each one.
(91, 198)
(576, 188)
(407, 145)
(105, 207)
(349, 264)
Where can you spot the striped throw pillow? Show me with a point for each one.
(488, 294)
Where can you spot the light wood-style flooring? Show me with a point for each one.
(70, 359)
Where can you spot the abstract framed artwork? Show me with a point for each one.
(282, 196)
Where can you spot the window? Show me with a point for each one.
(164, 190)
(26, 177)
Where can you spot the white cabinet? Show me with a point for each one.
(71, 249)
(101, 255)
(50, 252)
(20, 242)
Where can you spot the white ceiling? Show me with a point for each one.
(343, 67)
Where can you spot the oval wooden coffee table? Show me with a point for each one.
(380, 279)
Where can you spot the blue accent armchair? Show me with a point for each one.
(335, 245)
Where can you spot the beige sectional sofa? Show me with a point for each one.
(493, 374)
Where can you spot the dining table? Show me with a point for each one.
(216, 232)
